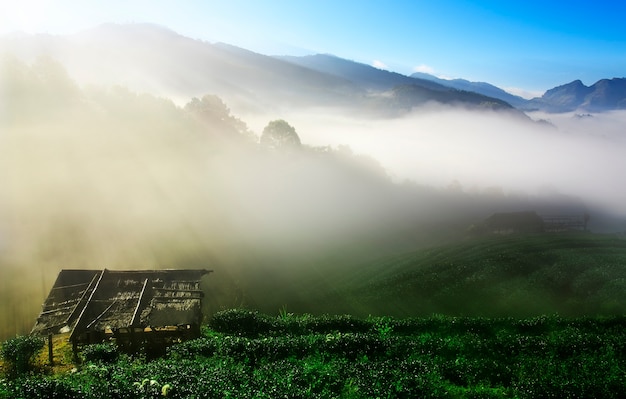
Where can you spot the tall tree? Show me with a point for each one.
(212, 111)
(279, 134)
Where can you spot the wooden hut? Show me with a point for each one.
(137, 308)
(513, 223)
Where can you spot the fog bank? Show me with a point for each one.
(103, 177)
(571, 154)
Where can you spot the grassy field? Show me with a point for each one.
(572, 274)
(243, 354)
(536, 316)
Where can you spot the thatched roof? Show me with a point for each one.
(103, 300)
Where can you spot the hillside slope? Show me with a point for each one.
(604, 95)
(153, 59)
(393, 92)
(572, 274)
(483, 88)
(364, 75)
(150, 58)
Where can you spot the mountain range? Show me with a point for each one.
(484, 88)
(606, 94)
(154, 59)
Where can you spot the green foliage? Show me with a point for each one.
(200, 347)
(336, 323)
(248, 323)
(433, 357)
(38, 92)
(384, 326)
(151, 388)
(19, 352)
(104, 352)
(240, 322)
(523, 276)
(279, 134)
(211, 111)
(43, 388)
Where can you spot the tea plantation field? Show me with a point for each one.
(573, 274)
(244, 354)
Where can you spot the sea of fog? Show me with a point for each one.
(573, 154)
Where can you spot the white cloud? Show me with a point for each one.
(424, 69)
(379, 64)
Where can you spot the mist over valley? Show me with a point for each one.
(131, 146)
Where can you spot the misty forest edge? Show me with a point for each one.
(43, 100)
(278, 134)
(526, 256)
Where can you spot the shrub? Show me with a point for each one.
(337, 323)
(104, 352)
(241, 322)
(45, 388)
(204, 347)
(19, 352)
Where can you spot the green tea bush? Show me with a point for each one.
(547, 377)
(536, 325)
(19, 352)
(204, 347)
(436, 357)
(104, 352)
(289, 346)
(44, 388)
(395, 379)
(353, 346)
(340, 323)
(241, 322)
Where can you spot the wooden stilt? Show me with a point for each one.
(75, 350)
(50, 351)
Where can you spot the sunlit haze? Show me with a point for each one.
(282, 142)
(524, 46)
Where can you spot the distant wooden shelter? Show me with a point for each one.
(530, 222)
(562, 223)
(513, 222)
(138, 308)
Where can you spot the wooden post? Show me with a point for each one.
(50, 352)
(74, 350)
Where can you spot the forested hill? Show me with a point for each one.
(102, 176)
(153, 59)
(604, 95)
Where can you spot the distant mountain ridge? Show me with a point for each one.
(365, 75)
(604, 95)
(154, 59)
(404, 92)
(151, 58)
(483, 88)
(379, 79)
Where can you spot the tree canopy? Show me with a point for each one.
(212, 111)
(279, 134)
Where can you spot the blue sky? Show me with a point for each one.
(531, 45)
